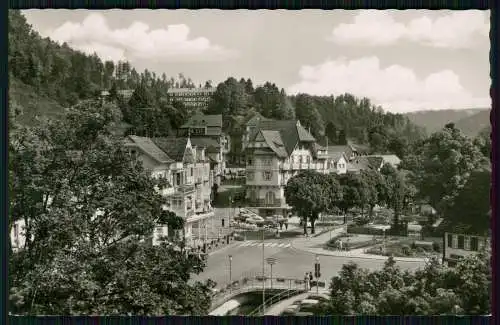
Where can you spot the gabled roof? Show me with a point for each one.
(175, 147)
(150, 148)
(274, 141)
(290, 132)
(363, 163)
(211, 145)
(391, 159)
(358, 147)
(374, 162)
(202, 120)
(256, 119)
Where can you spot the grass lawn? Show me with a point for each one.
(351, 241)
(406, 248)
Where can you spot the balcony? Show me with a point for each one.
(184, 189)
(262, 203)
(177, 166)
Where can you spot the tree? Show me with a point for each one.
(433, 290)
(90, 211)
(342, 139)
(331, 133)
(308, 193)
(442, 164)
(375, 187)
(469, 211)
(355, 193)
(229, 98)
(307, 113)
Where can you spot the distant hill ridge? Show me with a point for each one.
(469, 121)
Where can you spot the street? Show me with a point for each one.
(290, 262)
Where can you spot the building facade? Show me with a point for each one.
(187, 171)
(206, 130)
(278, 151)
(457, 246)
(191, 97)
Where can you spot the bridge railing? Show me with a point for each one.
(257, 282)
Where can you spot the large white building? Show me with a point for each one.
(277, 151)
(187, 170)
(191, 97)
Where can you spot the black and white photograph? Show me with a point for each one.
(249, 162)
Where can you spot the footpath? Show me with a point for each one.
(315, 245)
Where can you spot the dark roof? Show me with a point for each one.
(151, 148)
(274, 141)
(256, 119)
(339, 149)
(202, 120)
(358, 147)
(175, 147)
(363, 163)
(205, 142)
(290, 133)
(374, 162)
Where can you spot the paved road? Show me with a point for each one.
(247, 262)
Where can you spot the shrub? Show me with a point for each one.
(364, 230)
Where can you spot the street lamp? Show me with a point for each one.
(263, 276)
(271, 261)
(230, 273)
(317, 272)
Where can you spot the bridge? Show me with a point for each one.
(286, 287)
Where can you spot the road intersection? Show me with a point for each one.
(291, 262)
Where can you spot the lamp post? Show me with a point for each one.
(271, 261)
(263, 276)
(230, 273)
(317, 272)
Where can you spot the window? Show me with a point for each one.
(461, 242)
(467, 243)
(267, 162)
(300, 159)
(178, 179)
(250, 176)
(270, 198)
(308, 159)
(450, 240)
(250, 162)
(191, 171)
(474, 244)
(268, 175)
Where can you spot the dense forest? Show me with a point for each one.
(63, 77)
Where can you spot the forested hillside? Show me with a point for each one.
(46, 77)
(469, 121)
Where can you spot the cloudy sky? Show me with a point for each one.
(402, 60)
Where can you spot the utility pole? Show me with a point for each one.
(263, 276)
(230, 273)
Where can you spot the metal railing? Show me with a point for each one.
(256, 283)
(259, 311)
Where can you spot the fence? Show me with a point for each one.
(259, 282)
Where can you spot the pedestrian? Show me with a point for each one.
(306, 282)
(310, 277)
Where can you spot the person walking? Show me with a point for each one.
(310, 279)
(306, 281)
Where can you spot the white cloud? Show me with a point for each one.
(137, 41)
(457, 29)
(395, 88)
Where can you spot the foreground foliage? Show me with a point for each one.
(89, 213)
(434, 290)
